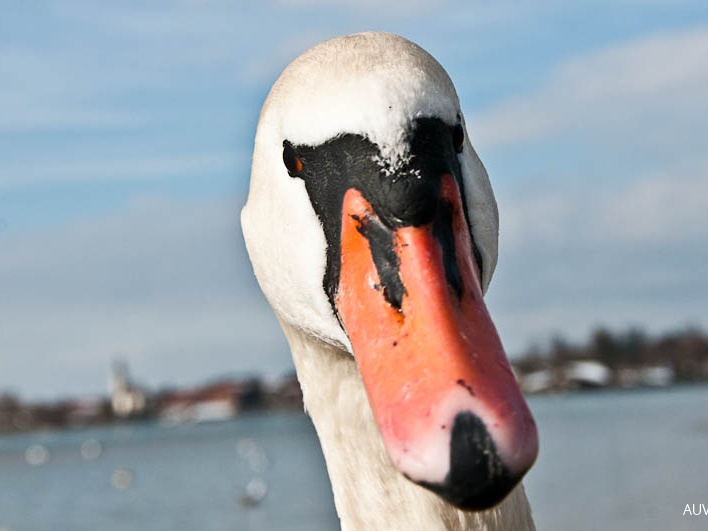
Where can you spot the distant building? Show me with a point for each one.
(127, 399)
(647, 376)
(540, 381)
(576, 374)
(587, 374)
(218, 400)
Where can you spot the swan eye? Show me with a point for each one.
(292, 161)
(458, 137)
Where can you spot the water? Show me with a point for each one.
(181, 478)
(625, 461)
(629, 461)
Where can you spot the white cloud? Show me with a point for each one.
(165, 284)
(142, 54)
(188, 22)
(49, 116)
(633, 85)
(56, 89)
(588, 245)
(660, 209)
(202, 36)
(126, 168)
(572, 258)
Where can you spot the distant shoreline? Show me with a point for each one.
(608, 361)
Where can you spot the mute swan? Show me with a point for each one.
(372, 229)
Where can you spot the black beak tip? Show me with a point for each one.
(477, 479)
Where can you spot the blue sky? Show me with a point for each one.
(125, 138)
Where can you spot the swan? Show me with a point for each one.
(372, 230)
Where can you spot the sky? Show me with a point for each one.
(126, 130)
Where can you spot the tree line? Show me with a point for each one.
(684, 350)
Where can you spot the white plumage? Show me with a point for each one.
(374, 85)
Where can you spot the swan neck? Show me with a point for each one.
(368, 492)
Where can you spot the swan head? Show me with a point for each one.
(372, 226)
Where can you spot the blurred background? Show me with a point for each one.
(125, 290)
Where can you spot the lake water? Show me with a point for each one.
(628, 461)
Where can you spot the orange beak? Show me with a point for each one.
(443, 395)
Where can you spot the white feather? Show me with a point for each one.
(375, 85)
